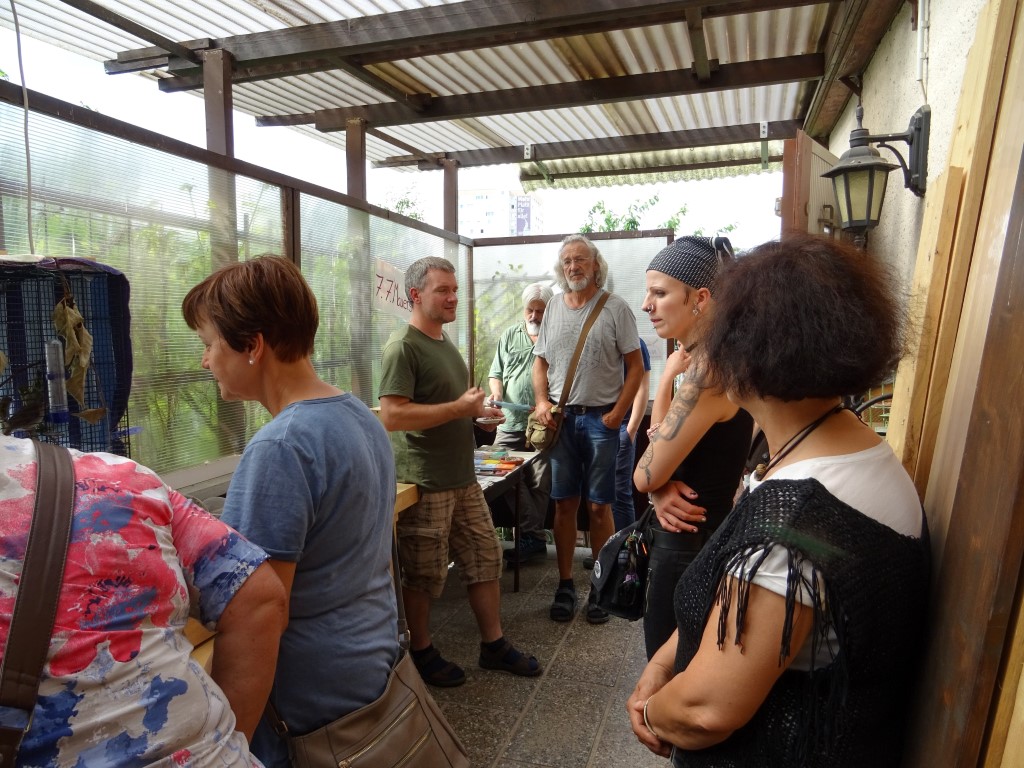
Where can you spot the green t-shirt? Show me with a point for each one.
(513, 367)
(429, 371)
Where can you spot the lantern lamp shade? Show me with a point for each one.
(858, 180)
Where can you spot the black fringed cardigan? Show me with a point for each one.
(875, 581)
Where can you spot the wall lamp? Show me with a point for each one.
(859, 177)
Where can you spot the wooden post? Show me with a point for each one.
(355, 157)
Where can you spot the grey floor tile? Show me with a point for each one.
(573, 716)
(593, 653)
(483, 732)
(561, 725)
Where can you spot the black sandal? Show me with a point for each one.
(564, 606)
(508, 659)
(595, 613)
(436, 670)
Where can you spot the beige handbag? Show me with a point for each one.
(404, 727)
(539, 435)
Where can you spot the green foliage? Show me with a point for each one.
(601, 219)
(673, 221)
(404, 205)
(699, 231)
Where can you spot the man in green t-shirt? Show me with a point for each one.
(511, 380)
(423, 393)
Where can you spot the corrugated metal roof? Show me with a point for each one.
(659, 48)
(653, 167)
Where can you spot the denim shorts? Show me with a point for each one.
(583, 460)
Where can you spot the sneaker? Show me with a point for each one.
(529, 549)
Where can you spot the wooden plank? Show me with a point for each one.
(978, 478)
(927, 293)
(408, 494)
(851, 41)
(1005, 747)
(610, 145)
(796, 160)
(971, 150)
(604, 90)
(976, 590)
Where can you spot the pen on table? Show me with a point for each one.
(509, 406)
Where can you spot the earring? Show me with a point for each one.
(251, 361)
(696, 310)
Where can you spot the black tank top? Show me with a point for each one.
(714, 467)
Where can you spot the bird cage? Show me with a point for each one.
(65, 337)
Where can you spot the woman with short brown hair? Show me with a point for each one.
(315, 488)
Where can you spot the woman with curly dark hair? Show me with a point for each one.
(800, 621)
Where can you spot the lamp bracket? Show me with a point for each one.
(915, 171)
(853, 83)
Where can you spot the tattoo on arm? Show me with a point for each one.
(682, 406)
(647, 458)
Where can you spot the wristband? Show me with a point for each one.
(647, 723)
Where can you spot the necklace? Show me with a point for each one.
(762, 469)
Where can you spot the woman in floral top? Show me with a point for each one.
(119, 687)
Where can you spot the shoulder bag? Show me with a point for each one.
(619, 578)
(539, 435)
(35, 609)
(404, 727)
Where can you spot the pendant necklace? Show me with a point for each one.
(762, 469)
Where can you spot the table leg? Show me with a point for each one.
(516, 535)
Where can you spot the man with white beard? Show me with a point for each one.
(511, 380)
(583, 460)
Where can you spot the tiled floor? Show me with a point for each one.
(572, 716)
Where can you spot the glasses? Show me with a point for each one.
(573, 261)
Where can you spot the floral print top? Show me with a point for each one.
(119, 687)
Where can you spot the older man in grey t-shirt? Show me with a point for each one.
(583, 460)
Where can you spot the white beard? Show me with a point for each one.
(578, 285)
(533, 328)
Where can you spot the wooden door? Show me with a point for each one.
(808, 202)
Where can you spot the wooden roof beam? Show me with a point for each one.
(424, 32)
(553, 176)
(618, 145)
(852, 42)
(118, 21)
(698, 44)
(561, 95)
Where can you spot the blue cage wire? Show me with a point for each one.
(28, 295)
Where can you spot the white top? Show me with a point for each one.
(871, 481)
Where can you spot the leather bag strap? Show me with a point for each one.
(404, 636)
(569, 374)
(35, 608)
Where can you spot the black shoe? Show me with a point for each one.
(588, 563)
(529, 549)
(595, 613)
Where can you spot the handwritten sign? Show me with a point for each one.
(389, 291)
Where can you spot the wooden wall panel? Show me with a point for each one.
(927, 292)
(977, 474)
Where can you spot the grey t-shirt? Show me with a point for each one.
(316, 487)
(598, 379)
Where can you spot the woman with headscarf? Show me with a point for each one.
(800, 622)
(693, 464)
